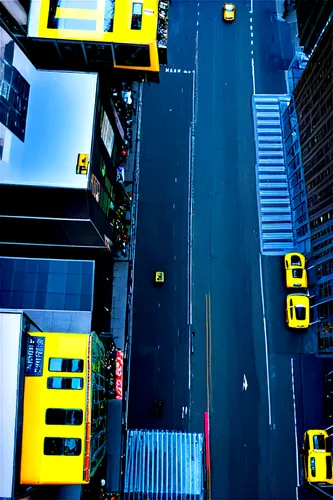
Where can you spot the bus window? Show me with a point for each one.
(60, 416)
(131, 55)
(64, 383)
(62, 446)
(136, 16)
(65, 365)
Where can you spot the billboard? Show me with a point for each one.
(119, 374)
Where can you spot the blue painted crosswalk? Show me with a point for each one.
(276, 233)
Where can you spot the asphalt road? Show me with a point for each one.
(253, 445)
(160, 349)
(226, 258)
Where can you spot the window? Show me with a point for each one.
(62, 446)
(329, 467)
(109, 15)
(60, 416)
(297, 273)
(319, 442)
(136, 16)
(132, 55)
(65, 383)
(65, 365)
(300, 313)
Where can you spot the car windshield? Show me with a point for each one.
(295, 260)
(229, 8)
(319, 442)
(297, 273)
(300, 312)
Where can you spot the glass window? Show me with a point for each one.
(319, 442)
(62, 446)
(136, 16)
(61, 416)
(77, 383)
(65, 383)
(300, 312)
(65, 365)
(329, 467)
(132, 55)
(109, 15)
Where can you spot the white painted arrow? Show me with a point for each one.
(245, 384)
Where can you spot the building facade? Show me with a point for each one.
(312, 17)
(313, 97)
(50, 122)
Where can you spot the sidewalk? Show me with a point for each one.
(124, 265)
(121, 311)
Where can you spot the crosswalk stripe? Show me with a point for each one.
(275, 218)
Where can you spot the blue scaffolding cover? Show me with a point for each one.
(164, 465)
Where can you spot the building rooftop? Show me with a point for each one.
(59, 126)
(92, 20)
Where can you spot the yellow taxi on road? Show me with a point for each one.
(317, 458)
(298, 310)
(159, 277)
(296, 275)
(229, 12)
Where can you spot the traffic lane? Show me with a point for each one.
(226, 219)
(224, 59)
(284, 345)
(159, 364)
(238, 347)
(286, 441)
(239, 419)
(182, 31)
(272, 47)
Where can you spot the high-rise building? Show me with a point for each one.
(61, 150)
(312, 17)
(313, 98)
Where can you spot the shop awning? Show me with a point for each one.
(165, 464)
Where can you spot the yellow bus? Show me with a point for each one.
(129, 34)
(64, 408)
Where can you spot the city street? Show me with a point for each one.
(250, 378)
(160, 349)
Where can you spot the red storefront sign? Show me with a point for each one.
(119, 374)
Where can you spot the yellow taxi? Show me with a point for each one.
(229, 12)
(317, 458)
(296, 275)
(298, 310)
(159, 277)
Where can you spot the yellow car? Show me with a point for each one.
(296, 275)
(298, 310)
(229, 12)
(317, 458)
(159, 277)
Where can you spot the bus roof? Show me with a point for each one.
(12, 324)
(107, 21)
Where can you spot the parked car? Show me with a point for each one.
(296, 275)
(298, 310)
(317, 457)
